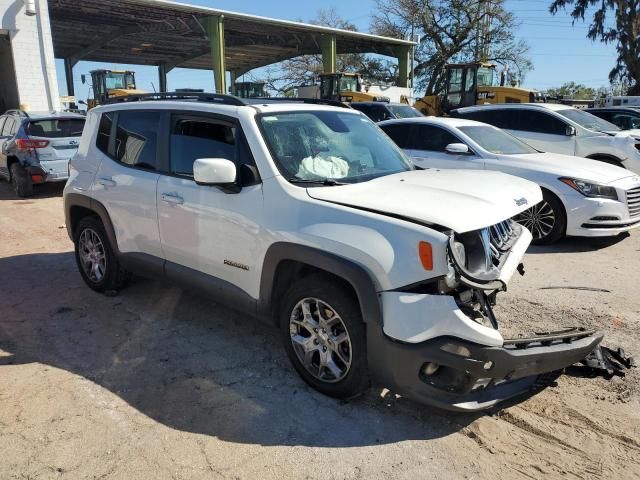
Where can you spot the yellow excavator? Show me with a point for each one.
(473, 84)
(346, 87)
(111, 83)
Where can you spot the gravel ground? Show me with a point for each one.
(158, 383)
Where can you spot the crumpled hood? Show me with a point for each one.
(462, 200)
(568, 166)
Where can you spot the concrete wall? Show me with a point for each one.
(32, 54)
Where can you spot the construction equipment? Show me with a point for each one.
(346, 87)
(249, 89)
(107, 84)
(473, 84)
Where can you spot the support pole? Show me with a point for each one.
(68, 74)
(215, 32)
(162, 77)
(232, 82)
(328, 48)
(404, 59)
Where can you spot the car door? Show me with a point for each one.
(544, 131)
(428, 149)
(3, 156)
(127, 177)
(208, 229)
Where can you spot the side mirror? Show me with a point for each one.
(82, 102)
(457, 149)
(571, 131)
(214, 172)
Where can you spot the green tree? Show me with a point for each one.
(573, 90)
(625, 34)
(453, 31)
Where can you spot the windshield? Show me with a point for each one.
(348, 84)
(316, 146)
(496, 141)
(56, 127)
(587, 120)
(119, 80)
(485, 77)
(404, 111)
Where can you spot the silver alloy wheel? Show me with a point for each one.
(92, 255)
(320, 339)
(539, 220)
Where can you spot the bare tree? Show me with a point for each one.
(304, 70)
(453, 31)
(625, 33)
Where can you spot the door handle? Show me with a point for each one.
(172, 198)
(106, 182)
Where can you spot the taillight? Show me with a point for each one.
(28, 144)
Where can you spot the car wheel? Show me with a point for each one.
(20, 180)
(96, 261)
(325, 337)
(547, 220)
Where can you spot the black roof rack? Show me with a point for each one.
(196, 96)
(314, 101)
(18, 111)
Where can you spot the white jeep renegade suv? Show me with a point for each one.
(309, 217)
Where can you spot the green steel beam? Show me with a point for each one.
(404, 61)
(328, 48)
(215, 32)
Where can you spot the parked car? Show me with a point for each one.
(625, 118)
(309, 217)
(581, 197)
(380, 111)
(36, 147)
(561, 129)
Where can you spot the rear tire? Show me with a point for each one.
(20, 180)
(98, 265)
(547, 220)
(324, 336)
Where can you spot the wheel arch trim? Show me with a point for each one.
(344, 268)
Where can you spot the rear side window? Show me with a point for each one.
(195, 137)
(56, 128)
(498, 118)
(136, 142)
(104, 133)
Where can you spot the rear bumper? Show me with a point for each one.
(49, 174)
(469, 376)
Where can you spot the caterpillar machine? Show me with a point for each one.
(346, 87)
(111, 83)
(470, 84)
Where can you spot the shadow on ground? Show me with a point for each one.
(189, 363)
(46, 190)
(578, 244)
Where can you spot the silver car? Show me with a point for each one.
(36, 147)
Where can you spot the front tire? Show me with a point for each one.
(20, 180)
(96, 261)
(547, 220)
(324, 336)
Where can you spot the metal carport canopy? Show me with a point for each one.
(169, 34)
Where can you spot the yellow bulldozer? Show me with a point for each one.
(346, 87)
(107, 84)
(470, 84)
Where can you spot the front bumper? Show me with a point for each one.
(596, 217)
(469, 376)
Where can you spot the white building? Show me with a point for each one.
(27, 67)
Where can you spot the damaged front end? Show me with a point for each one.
(456, 358)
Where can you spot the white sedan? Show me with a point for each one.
(581, 197)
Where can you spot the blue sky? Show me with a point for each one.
(560, 52)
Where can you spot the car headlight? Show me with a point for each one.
(589, 189)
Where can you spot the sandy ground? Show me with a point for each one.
(157, 383)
